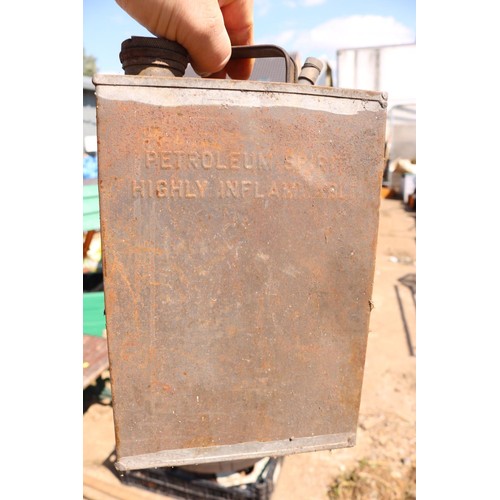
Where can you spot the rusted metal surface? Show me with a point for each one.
(239, 224)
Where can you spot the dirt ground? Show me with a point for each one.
(382, 464)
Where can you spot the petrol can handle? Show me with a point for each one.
(264, 51)
(308, 74)
(152, 56)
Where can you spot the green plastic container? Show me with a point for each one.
(94, 321)
(91, 208)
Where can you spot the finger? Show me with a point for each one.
(204, 36)
(220, 74)
(238, 19)
(240, 69)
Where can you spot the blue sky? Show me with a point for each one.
(312, 27)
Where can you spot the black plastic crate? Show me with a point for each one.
(180, 483)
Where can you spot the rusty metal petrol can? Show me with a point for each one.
(239, 224)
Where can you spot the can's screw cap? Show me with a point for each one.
(310, 71)
(153, 56)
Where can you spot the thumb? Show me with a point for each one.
(198, 25)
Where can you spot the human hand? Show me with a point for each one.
(205, 28)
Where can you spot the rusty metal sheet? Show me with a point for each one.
(239, 224)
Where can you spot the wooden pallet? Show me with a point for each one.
(95, 358)
(95, 488)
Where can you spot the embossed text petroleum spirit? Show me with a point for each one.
(208, 160)
(174, 188)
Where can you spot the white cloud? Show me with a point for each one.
(292, 4)
(348, 32)
(312, 3)
(284, 39)
(262, 7)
